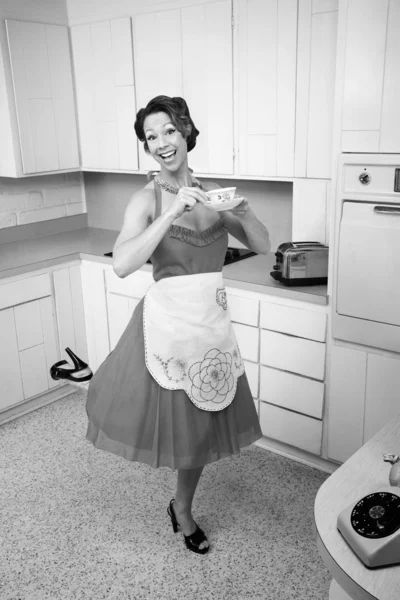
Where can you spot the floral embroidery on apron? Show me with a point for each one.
(190, 343)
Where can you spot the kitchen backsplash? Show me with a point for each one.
(33, 199)
(107, 195)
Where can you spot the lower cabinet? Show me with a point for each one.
(283, 345)
(70, 313)
(95, 312)
(28, 341)
(363, 397)
(123, 295)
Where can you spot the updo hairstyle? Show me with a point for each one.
(177, 110)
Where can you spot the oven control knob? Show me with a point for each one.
(365, 178)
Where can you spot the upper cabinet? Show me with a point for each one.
(265, 61)
(44, 100)
(104, 78)
(315, 88)
(285, 63)
(187, 52)
(370, 75)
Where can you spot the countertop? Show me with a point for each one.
(91, 243)
(363, 473)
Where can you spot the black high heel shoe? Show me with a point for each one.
(192, 541)
(58, 372)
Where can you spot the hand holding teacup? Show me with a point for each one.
(220, 196)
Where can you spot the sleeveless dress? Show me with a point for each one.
(131, 415)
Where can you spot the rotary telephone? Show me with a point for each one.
(371, 527)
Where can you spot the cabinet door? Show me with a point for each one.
(119, 311)
(346, 394)
(95, 309)
(70, 312)
(199, 52)
(266, 84)
(123, 295)
(364, 74)
(382, 393)
(390, 124)
(105, 94)
(315, 87)
(44, 97)
(11, 390)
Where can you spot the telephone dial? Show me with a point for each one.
(371, 526)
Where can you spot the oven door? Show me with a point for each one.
(368, 268)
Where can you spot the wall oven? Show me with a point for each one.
(366, 268)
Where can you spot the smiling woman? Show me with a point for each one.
(174, 391)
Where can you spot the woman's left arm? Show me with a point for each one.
(244, 225)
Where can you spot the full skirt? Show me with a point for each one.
(132, 416)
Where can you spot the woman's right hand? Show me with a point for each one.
(186, 200)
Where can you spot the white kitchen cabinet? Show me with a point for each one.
(44, 99)
(370, 76)
(265, 59)
(69, 311)
(382, 393)
(315, 88)
(347, 377)
(291, 391)
(297, 355)
(123, 295)
(198, 50)
(11, 390)
(105, 92)
(28, 344)
(248, 341)
(291, 428)
(292, 373)
(363, 397)
(241, 308)
(95, 310)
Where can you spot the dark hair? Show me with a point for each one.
(178, 111)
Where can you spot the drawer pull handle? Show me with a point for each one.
(387, 210)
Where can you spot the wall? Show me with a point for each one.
(33, 199)
(107, 195)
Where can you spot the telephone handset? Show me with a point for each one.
(371, 527)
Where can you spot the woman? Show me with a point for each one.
(144, 402)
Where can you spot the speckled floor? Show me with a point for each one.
(80, 523)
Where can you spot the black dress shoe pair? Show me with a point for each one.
(58, 372)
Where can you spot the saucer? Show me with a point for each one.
(229, 205)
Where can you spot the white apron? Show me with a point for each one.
(189, 339)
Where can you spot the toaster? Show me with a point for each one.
(301, 263)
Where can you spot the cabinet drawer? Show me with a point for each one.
(295, 321)
(25, 290)
(291, 428)
(297, 355)
(242, 310)
(248, 341)
(292, 391)
(135, 285)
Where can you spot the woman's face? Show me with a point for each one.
(166, 144)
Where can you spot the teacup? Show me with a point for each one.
(221, 195)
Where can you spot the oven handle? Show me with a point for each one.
(387, 210)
